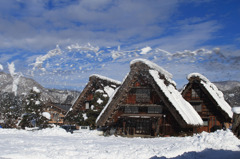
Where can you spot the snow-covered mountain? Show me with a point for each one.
(24, 86)
(227, 85)
(231, 91)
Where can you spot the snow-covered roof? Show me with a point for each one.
(154, 66)
(214, 92)
(107, 89)
(236, 110)
(106, 78)
(200, 76)
(187, 112)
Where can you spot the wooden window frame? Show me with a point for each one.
(143, 95)
(131, 110)
(155, 110)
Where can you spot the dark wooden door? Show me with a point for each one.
(143, 126)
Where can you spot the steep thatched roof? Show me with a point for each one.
(161, 81)
(215, 95)
(96, 82)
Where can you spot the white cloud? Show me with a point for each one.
(99, 22)
(1, 67)
(40, 59)
(145, 50)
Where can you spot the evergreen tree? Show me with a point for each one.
(33, 111)
(76, 119)
(102, 97)
(10, 109)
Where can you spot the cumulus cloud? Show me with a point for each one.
(100, 22)
(40, 59)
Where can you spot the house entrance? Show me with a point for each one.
(141, 126)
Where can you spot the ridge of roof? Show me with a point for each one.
(105, 78)
(200, 76)
(156, 67)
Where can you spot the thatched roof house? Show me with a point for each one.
(208, 101)
(93, 97)
(57, 112)
(148, 103)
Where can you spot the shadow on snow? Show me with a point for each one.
(206, 154)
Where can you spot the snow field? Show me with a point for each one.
(56, 143)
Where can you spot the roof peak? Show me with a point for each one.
(168, 76)
(198, 75)
(105, 78)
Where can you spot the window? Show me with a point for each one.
(195, 93)
(143, 126)
(205, 122)
(55, 117)
(131, 110)
(84, 127)
(142, 95)
(154, 110)
(87, 105)
(197, 106)
(142, 109)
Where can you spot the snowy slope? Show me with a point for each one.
(26, 84)
(227, 85)
(57, 144)
(231, 91)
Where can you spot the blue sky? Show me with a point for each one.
(76, 38)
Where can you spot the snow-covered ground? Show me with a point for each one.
(57, 144)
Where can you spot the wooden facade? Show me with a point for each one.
(203, 102)
(57, 112)
(140, 108)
